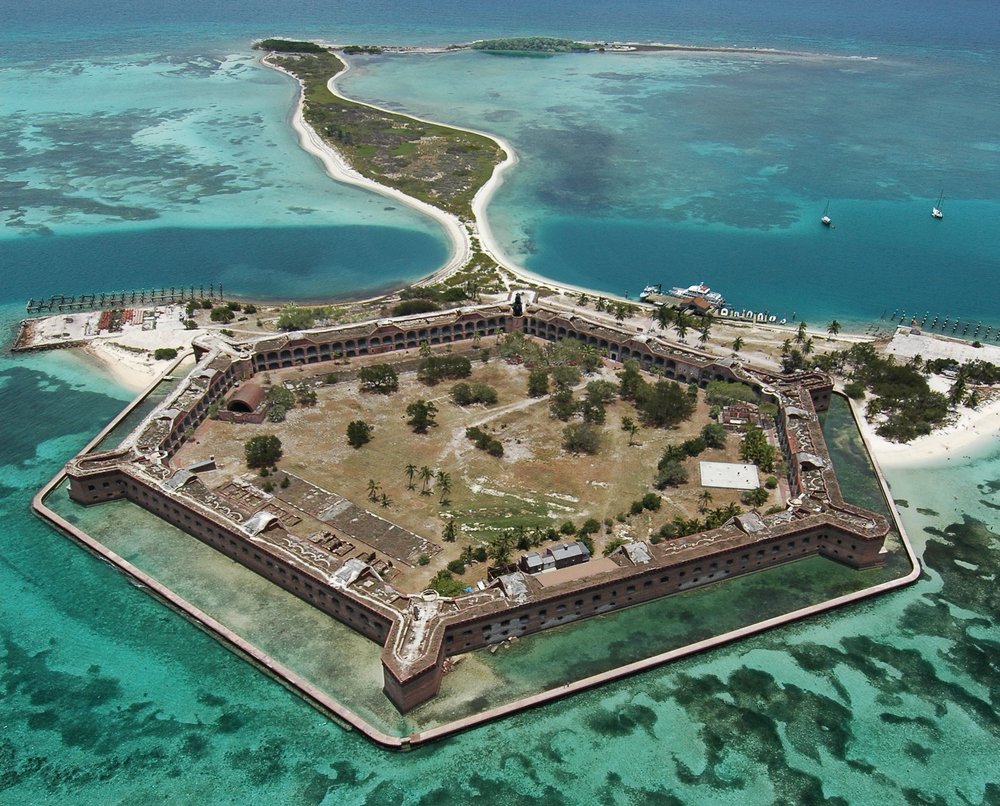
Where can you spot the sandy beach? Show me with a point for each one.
(337, 168)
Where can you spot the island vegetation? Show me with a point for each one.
(531, 45)
(436, 164)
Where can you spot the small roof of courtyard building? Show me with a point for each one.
(569, 553)
(247, 399)
(560, 556)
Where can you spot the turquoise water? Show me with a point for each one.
(178, 143)
(676, 168)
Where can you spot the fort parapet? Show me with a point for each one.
(418, 631)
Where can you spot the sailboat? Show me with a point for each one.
(826, 221)
(936, 209)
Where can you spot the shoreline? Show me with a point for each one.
(963, 437)
(338, 169)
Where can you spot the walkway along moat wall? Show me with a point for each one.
(417, 637)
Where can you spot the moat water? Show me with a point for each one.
(183, 150)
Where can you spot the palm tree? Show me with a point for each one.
(665, 316)
(807, 347)
(449, 535)
(630, 425)
(786, 346)
(833, 328)
(705, 334)
(800, 336)
(681, 325)
(704, 499)
(444, 483)
(426, 475)
(372, 490)
(737, 344)
(411, 470)
(385, 501)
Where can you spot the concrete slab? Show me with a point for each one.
(729, 475)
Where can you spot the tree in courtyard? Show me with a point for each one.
(411, 470)
(426, 476)
(565, 377)
(630, 380)
(381, 378)
(262, 451)
(737, 344)
(562, 405)
(538, 382)
(704, 501)
(421, 413)
(665, 404)
(449, 534)
(715, 435)
(373, 490)
(358, 433)
(833, 328)
(581, 438)
(755, 448)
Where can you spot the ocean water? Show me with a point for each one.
(141, 130)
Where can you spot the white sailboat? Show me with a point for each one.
(826, 221)
(936, 209)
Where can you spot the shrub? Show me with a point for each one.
(672, 474)
(668, 530)
(267, 487)
(538, 382)
(655, 538)
(249, 308)
(423, 559)
(581, 438)
(635, 508)
(590, 526)
(771, 482)
(164, 353)
(445, 584)
(585, 539)
(613, 545)
(292, 317)
(724, 392)
(358, 433)
(755, 498)
(412, 306)
(437, 368)
(567, 528)
(330, 378)
(456, 567)
(854, 390)
(465, 394)
(479, 554)
(651, 501)
(381, 378)
(285, 481)
(262, 451)
(714, 435)
(222, 314)
(693, 447)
